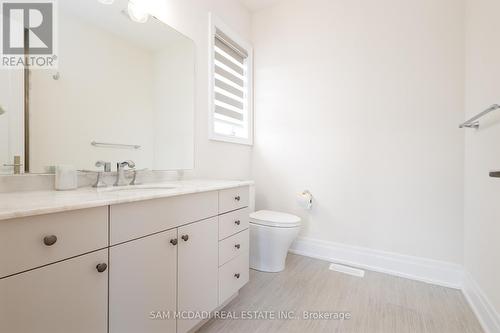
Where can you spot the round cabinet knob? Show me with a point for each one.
(237, 275)
(173, 241)
(237, 246)
(237, 198)
(50, 240)
(101, 267)
(237, 222)
(185, 238)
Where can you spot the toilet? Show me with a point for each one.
(271, 234)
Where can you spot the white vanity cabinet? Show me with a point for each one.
(53, 273)
(144, 266)
(156, 277)
(197, 270)
(138, 219)
(35, 241)
(68, 296)
(233, 242)
(143, 282)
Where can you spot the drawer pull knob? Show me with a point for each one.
(237, 275)
(173, 241)
(101, 267)
(237, 246)
(50, 240)
(185, 238)
(237, 222)
(237, 198)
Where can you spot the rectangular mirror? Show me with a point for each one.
(123, 90)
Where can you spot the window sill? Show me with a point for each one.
(229, 139)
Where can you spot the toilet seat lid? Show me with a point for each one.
(274, 219)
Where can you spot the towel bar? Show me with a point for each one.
(114, 145)
(473, 122)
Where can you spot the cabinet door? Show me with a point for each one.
(198, 269)
(69, 296)
(143, 281)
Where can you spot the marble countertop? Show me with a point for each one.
(23, 204)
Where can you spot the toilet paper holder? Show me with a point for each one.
(306, 199)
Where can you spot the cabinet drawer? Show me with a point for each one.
(25, 243)
(137, 219)
(232, 223)
(232, 276)
(233, 246)
(233, 198)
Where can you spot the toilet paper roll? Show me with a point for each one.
(305, 200)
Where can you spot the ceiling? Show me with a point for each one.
(254, 5)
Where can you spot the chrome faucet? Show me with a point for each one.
(107, 168)
(120, 173)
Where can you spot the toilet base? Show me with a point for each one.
(269, 247)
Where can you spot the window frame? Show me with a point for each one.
(216, 23)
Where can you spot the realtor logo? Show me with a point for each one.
(28, 34)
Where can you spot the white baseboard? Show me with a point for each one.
(415, 268)
(484, 310)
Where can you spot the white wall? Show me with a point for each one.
(359, 102)
(482, 208)
(212, 159)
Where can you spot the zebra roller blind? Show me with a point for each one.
(230, 113)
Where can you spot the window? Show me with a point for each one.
(231, 114)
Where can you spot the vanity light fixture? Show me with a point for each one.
(107, 2)
(137, 11)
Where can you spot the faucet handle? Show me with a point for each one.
(107, 168)
(106, 165)
(120, 172)
(128, 163)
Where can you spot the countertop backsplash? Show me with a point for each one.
(44, 182)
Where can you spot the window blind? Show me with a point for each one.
(230, 86)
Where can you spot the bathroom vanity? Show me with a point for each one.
(140, 259)
(121, 260)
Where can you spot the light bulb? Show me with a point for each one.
(107, 2)
(137, 12)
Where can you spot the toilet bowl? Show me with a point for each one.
(271, 235)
